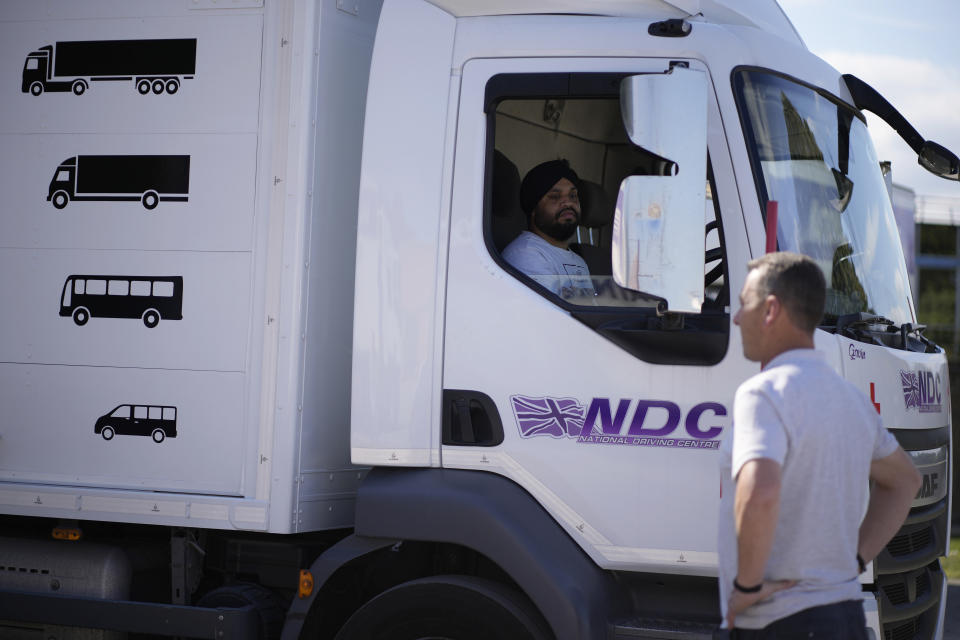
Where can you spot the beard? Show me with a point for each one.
(556, 229)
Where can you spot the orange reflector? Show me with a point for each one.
(306, 584)
(67, 533)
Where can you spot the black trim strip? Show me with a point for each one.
(137, 617)
(921, 439)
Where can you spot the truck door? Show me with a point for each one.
(609, 414)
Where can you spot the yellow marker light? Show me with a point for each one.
(67, 533)
(305, 588)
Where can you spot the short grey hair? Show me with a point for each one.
(797, 282)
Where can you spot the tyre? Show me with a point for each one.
(81, 315)
(157, 86)
(107, 433)
(60, 199)
(268, 605)
(150, 200)
(172, 86)
(143, 86)
(158, 435)
(447, 607)
(36, 88)
(151, 318)
(79, 87)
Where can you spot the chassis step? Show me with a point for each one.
(661, 629)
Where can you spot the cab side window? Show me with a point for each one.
(538, 119)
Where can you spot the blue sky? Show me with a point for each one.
(909, 52)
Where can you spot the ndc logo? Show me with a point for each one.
(652, 423)
(921, 391)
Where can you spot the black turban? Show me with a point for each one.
(541, 179)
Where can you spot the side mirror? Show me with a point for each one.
(658, 226)
(939, 160)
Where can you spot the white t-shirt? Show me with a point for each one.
(824, 433)
(560, 270)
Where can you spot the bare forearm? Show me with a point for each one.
(757, 505)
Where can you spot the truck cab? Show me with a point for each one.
(36, 71)
(63, 184)
(611, 408)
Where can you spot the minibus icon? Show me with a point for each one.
(157, 421)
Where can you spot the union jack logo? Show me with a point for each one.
(554, 417)
(911, 388)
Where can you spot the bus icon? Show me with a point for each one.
(157, 421)
(148, 298)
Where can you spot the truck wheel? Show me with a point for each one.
(143, 86)
(79, 87)
(158, 86)
(36, 88)
(151, 318)
(150, 199)
(81, 316)
(172, 86)
(60, 199)
(267, 604)
(158, 435)
(449, 607)
(107, 433)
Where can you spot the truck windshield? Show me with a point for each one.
(813, 157)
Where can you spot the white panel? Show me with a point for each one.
(249, 517)
(49, 413)
(223, 94)
(57, 377)
(157, 508)
(217, 216)
(39, 499)
(398, 242)
(211, 335)
(909, 390)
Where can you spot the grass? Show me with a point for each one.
(952, 563)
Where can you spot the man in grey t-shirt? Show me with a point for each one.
(806, 444)
(549, 194)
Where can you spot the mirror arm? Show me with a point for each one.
(866, 98)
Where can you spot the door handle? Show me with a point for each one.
(471, 419)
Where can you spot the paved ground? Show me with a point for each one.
(952, 627)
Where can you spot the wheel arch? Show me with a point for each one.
(485, 513)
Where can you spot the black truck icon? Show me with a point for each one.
(157, 421)
(152, 65)
(148, 179)
(148, 298)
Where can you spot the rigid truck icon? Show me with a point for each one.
(148, 179)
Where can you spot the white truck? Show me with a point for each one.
(383, 430)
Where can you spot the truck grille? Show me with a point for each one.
(909, 578)
(899, 593)
(901, 631)
(907, 543)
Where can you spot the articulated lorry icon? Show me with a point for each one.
(148, 179)
(152, 65)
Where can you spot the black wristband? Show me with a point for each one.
(742, 589)
(861, 563)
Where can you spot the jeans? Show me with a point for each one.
(837, 621)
